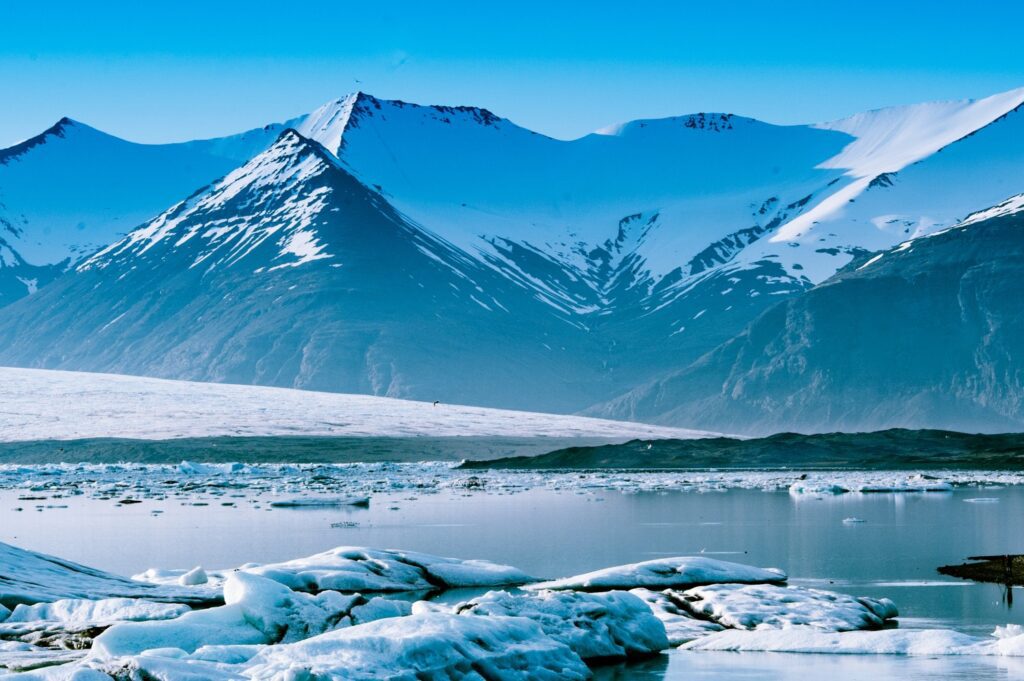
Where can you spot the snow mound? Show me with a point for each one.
(614, 624)
(30, 577)
(350, 568)
(431, 645)
(106, 610)
(680, 625)
(667, 573)
(64, 405)
(354, 568)
(1005, 641)
(256, 610)
(766, 606)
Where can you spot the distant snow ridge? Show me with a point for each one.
(68, 405)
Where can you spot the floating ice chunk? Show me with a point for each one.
(1005, 641)
(766, 606)
(16, 656)
(192, 468)
(853, 521)
(353, 568)
(98, 612)
(680, 625)
(256, 610)
(816, 487)
(378, 609)
(913, 483)
(678, 572)
(30, 577)
(614, 624)
(982, 500)
(349, 568)
(432, 645)
(4, 613)
(312, 502)
(194, 577)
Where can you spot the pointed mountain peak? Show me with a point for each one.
(59, 129)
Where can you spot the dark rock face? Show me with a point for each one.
(929, 334)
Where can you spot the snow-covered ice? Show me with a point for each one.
(353, 568)
(30, 577)
(431, 645)
(613, 624)
(63, 405)
(767, 606)
(1006, 641)
(256, 610)
(680, 625)
(664, 573)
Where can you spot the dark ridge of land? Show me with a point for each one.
(280, 449)
(886, 449)
(1008, 569)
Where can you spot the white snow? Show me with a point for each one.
(30, 577)
(665, 573)
(614, 624)
(431, 645)
(1005, 641)
(61, 405)
(352, 568)
(256, 610)
(96, 612)
(766, 606)
(680, 625)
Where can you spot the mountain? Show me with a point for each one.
(73, 189)
(925, 334)
(447, 253)
(289, 271)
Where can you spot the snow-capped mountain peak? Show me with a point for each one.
(888, 140)
(272, 198)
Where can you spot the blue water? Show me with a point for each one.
(893, 553)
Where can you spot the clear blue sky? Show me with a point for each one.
(180, 70)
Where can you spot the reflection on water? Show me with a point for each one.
(894, 553)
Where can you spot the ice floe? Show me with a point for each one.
(295, 485)
(766, 606)
(30, 577)
(614, 624)
(430, 645)
(256, 610)
(680, 572)
(352, 569)
(1008, 641)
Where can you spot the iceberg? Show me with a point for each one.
(662, 573)
(766, 606)
(609, 625)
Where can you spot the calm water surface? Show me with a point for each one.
(893, 553)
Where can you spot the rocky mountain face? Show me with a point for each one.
(446, 253)
(930, 332)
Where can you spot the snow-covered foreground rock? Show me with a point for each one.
(663, 573)
(63, 405)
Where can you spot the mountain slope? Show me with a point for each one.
(290, 272)
(73, 189)
(445, 252)
(926, 334)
